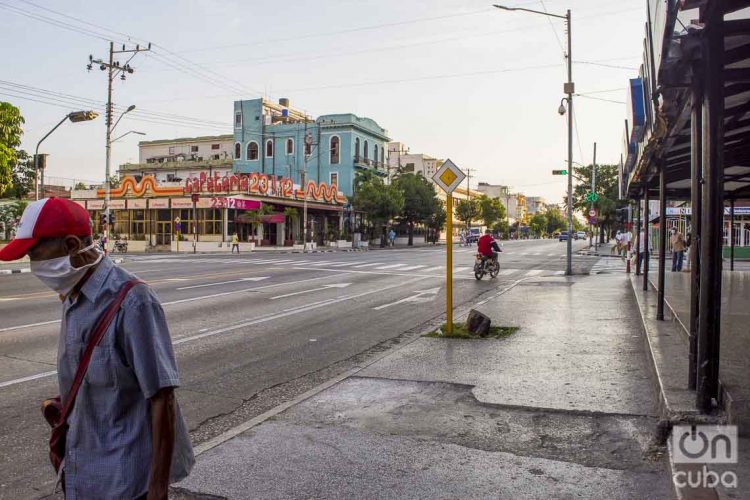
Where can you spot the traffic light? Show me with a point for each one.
(103, 219)
(111, 218)
(559, 172)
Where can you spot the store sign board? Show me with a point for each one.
(262, 185)
(688, 211)
(117, 204)
(158, 203)
(95, 204)
(136, 204)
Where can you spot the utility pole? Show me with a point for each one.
(591, 205)
(303, 181)
(113, 68)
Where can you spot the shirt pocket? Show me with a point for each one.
(101, 370)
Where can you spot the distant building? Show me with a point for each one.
(502, 193)
(279, 141)
(400, 160)
(535, 205)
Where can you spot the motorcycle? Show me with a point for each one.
(485, 265)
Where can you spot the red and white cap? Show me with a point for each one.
(47, 218)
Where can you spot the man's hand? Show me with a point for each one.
(162, 442)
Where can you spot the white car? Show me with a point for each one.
(581, 235)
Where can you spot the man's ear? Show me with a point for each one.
(72, 244)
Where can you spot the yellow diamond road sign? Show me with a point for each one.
(449, 176)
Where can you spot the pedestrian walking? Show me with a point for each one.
(391, 237)
(677, 241)
(126, 437)
(461, 238)
(235, 243)
(642, 245)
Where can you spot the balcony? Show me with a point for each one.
(360, 162)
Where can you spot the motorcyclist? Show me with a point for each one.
(488, 247)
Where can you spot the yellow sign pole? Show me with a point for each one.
(178, 242)
(449, 264)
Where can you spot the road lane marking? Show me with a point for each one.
(18, 327)
(293, 311)
(411, 268)
(27, 379)
(534, 272)
(460, 269)
(324, 287)
(241, 280)
(344, 264)
(430, 269)
(559, 273)
(222, 294)
(368, 265)
(418, 297)
(390, 266)
(506, 272)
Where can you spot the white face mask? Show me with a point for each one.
(59, 274)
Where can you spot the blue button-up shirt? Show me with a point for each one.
(108, 448)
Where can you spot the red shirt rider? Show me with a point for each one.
(487, 245)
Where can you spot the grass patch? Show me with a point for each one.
(460, 332)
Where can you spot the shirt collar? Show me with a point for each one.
(93, 285)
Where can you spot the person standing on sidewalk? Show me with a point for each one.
(235, 243)
(678, 249)
(126, 436)
(391, 237)
(642, 245)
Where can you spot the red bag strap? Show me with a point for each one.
(96, 336)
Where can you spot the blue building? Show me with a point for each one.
(279, 141)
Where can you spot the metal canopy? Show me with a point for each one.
(672, 148)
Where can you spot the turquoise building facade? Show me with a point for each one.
(277, 140)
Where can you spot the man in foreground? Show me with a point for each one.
(126, 435)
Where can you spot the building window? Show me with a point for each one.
(290, 146)
(171, 150)
(215, 146)
(238, 119)
(365, 150)
(193, 149)
(269, 148)
(375, 153)
(334, 179)
(334, 150)
(252, 150)
(216, 157)
(356, 148)
(237, 151)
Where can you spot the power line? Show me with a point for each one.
(600, 99)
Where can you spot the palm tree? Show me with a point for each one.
(290, 214)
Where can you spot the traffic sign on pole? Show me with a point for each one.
(449, 177)
(592, 212)
(559, 172)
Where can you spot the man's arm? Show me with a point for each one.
(162, 442)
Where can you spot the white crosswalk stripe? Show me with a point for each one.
(411, 268)
(368, 265)
(506, 272)
(534, 272)
(431, 269)
(390, 266)
(344, 264)
(460, 269)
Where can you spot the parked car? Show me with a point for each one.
(563, 236)
(581, 235)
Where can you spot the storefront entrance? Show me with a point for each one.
(163, 228)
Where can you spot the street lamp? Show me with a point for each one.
(107, 171)
(569, 89)
(39, 161)
(128, 132)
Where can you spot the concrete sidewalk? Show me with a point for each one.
(561, 409)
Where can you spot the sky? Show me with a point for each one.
(448, 78)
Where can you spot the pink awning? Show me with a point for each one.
(273, 218)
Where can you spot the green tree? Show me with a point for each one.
(420, 201)
(467, 211)
(606, 188)
(436, 221)
(10, 138)
(21, 177)
(555, 220)
(538, 224)
(10, 213)
(80, 185)
(378, 201)
(491, 210)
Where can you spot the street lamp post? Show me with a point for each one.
(569, 89)
(75, 117)
(126, 133)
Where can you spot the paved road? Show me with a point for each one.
(250, 331)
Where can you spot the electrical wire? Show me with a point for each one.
(600, 99)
